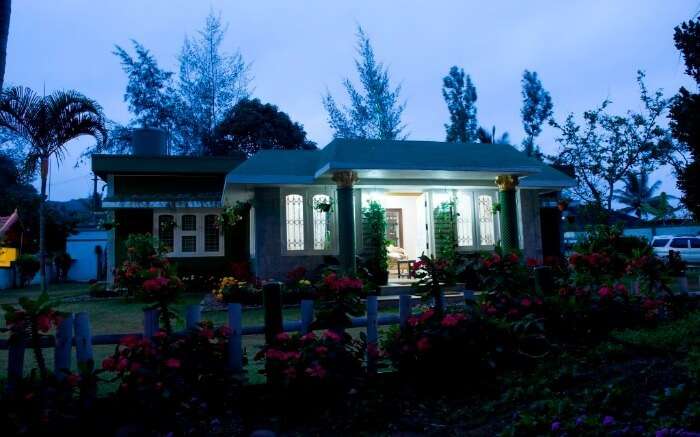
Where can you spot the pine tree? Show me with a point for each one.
(537, 108)
(460, 95)
(210, 83)
(375, 110)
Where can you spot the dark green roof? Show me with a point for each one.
(104, 165)
(385, 159)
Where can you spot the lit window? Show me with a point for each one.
(211, 233)
(322, 223)
(486, 224)
(294, 208)
(465, 219)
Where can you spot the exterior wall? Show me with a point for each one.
(82, 248)
(269, 262)
(529, 224)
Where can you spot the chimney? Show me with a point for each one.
(148, 141)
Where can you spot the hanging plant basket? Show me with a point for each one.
(233, 215)
(323, 205)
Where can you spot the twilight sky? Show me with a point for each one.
(584, 51)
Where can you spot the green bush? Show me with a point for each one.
(375, 241)
(28, 266)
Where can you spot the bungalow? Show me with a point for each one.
(496, 193)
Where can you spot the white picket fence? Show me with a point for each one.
(74, 331)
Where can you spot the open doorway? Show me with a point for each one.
(406, 231)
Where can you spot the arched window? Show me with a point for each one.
(322, 222)
(294, 219)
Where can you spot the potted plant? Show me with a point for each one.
(233, 215)
(375, 227)
(324, 204)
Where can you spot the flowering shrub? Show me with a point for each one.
(338, 299)
(437, 347)
(330, 360)
(231, 290)
(31, 320)
(432, 275)
(168, 372)
(298, 286)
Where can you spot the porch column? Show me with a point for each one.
(509, 215)
(346, 220)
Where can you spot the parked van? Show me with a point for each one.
(687, 245)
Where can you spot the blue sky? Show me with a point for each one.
(584, 51)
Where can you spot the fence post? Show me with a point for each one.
(272, 303)
(15, 361)
(193, 316)
(235, 341)
(307, 315)
(404, 308)
(83, 338)
(63, 347)
(372, 333)
(150, 323)
(468, 298)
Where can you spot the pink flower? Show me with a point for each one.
(317, 371)
(282, 336)
(308, 337)
(621, 289)
(108, 363)
(423, 345)
(330, 335)
(604, 292)
(321, 350)
(275, 354)
(122, 364)
(526, 302)
(43, 323)
(172, 363)
(451, 320)
(293, 355)
(129, 341)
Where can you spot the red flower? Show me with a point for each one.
(513, 258)
(423, 345)
(452, 320)
(526, 302)
(108, 363)
(43, 322)
(316, 371)
(172, 363)
(332, 336)
(321, 350)
(621, 289)
(308, 337)
(73, 379)
(129, 341)
(282, 336)
(532, 262)
(122, 364)
(605, 292)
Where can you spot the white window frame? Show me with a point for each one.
(178, 233)
(476, 229)
(307, 194)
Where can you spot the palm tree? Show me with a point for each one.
(661, 209)
(5, 11)
(487, 137)
(46, 124)
(637, 194)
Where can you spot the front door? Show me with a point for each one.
(394, 226)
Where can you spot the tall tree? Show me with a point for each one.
(488, 136)
(47, 123)
(537, 108)
(607, 148)
(211, 82)
(637, 194)
(5, 12)
(460, 95)
(375, 110)
(685, 116)
(251, 126)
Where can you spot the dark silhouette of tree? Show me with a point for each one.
(537, 108)
(685, 117)
(460, 95)
(486, 136)
(5, 12)
(47, 124)
(375, 110)
(637, 194)
(251, 126)
(607, 148)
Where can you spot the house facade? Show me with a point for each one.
(306, 206)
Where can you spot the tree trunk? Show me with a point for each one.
(42, 223)
(5, 11)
